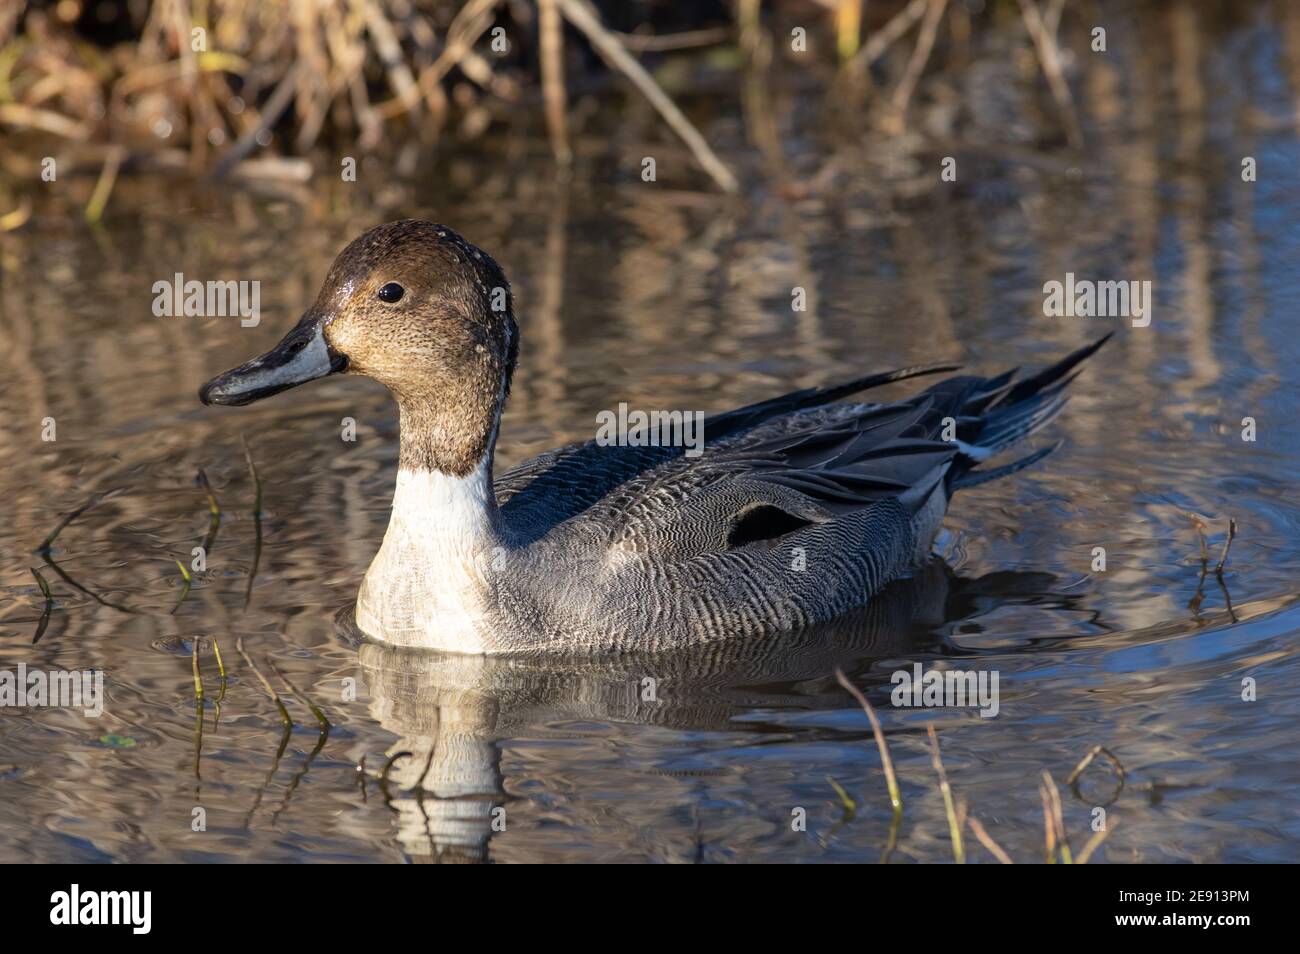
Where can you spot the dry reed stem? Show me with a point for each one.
(551, 28)
(581, 15)
(1058, 820)
(889, 34)
(895, 799)
(1095, 842)
(1087, 760)
(270, 690)
(897, 121)
(1049, 58)
(954, 824)
(848, 28)
(1227, 545)
(104, 185)
(987, 841)
(665, 42)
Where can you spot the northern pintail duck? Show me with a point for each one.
(799, 508)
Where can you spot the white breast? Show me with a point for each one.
(428, 585)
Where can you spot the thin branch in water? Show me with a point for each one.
(301, 773)
(62, 574)
(275, 767)
(1088, 759)
(891, 781)
(1095, 841)
(323, 722)
(954, 823)
(49, 606)
(257, 521)
(214, 521)
(198, 704)
(270, 690)
(1053, 796)
(1227, 545)
(194, 666)
(93, 501)
(987, 841)
(221, 686)
(895, 798)
(1049, 829)
(185, 591)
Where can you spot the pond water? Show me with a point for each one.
(663, 296)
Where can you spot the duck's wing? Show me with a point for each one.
(800, 518)
(560, 484)
(819, 464)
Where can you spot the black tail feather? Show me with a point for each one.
(1004, 412)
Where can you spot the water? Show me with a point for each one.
(663, 296)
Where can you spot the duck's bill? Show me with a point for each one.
(303, 355)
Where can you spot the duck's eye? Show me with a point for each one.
(392, 292)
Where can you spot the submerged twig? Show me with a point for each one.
(891, 781)
(323, 722)
(198, 705)
(221, 686)
(257, 522)
(194, 666)
(214, 520)
(1052, 796)
(954, 823)
(92, 501)
(62, 574)
(1088, 759)
(1095, 842)
(275, 767)
(49, 606)
(301, 773)
(1049, 827)
(1227, 545)
(1194, 604)
(270, 690)
(1073, 780)
(987, 841)
(185, 591)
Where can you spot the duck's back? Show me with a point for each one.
(797, 510)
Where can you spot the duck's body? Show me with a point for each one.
(798, 509)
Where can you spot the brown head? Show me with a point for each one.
(416, 307)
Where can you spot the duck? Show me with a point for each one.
(791, 511)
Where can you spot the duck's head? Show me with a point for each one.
(419, 309)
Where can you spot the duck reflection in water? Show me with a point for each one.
(444, 778)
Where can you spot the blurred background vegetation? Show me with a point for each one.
(261, 90)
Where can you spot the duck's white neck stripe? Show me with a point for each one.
(427, 584)
(430, 503)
